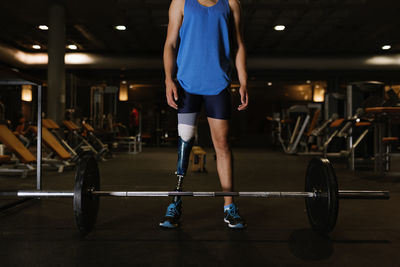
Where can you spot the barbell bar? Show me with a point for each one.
(321, 194)
(343, 194)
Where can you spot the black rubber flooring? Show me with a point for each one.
(43, 233)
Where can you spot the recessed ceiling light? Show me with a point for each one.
(43, 27)
(279, 27)
(72, 47)
(36, 46)
(269, 84)
(386, 47)
(120, 27)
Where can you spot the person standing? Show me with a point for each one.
(198, 61)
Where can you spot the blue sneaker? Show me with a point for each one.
(171, 219)
(232, 217)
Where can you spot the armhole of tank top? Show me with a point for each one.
(186, 2)
(184, 7)
(229, 7)
(183, 15)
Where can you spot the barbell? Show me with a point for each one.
(321, 194)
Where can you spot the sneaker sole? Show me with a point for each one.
(237, 226)
(168, 225)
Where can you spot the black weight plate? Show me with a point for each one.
(86, 205)
(322, 211)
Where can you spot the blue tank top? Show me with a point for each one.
(204, 60)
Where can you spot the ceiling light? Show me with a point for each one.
(269, 84)
(78, 58)
(36, 46)
(123, 91)
(308, 81)
(386, 47)
(72, 47)
(120, 27)
(43, 27)
(279, 27)
(26, 92)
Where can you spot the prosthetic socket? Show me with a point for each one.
(184, 149)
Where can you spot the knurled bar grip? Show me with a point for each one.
(203, 194)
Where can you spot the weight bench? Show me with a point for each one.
(307, 143)
(314, 122)
(20, 131)
(50, 124)
(198, 159)
(387, 142)
(345, 129)
(4, 158)
(95, 141)
(131, 141)
(53, 127)
(52, 143)
(19, 150)
(83, 145)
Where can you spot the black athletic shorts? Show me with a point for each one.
(216, 106)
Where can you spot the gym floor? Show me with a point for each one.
(43, 233)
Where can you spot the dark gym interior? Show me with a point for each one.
(84, 81)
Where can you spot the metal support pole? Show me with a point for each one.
(39, 140)
(349, 113)
(56, 66)
(139, 134)
(349, 101)
(351, 159)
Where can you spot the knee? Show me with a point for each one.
(186, 132)
(221, 144)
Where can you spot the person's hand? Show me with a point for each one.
(171, 93)
(244, 98)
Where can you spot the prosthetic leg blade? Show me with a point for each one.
(174, 210)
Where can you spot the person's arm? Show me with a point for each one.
(240, 56)
(175, 21)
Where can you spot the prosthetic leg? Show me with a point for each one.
(174, 210)
(186, 133)
(184, 148)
